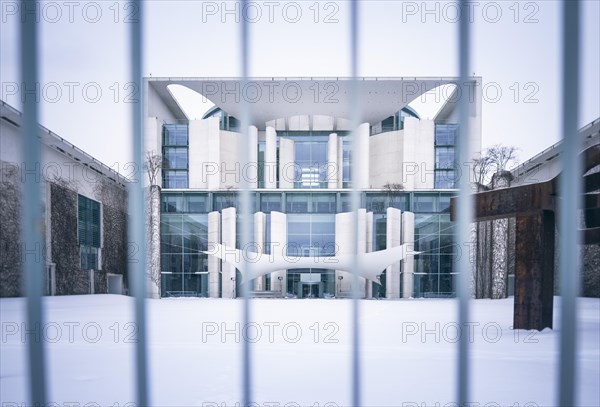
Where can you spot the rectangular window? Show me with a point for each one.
(175, 156)
(171, 203)
(270, 202)
(88, 230)
(323, 203)
(297, 203)
(445, 159)
(175, 135)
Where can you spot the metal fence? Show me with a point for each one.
(570, 196)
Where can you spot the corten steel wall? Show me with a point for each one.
(571, 193)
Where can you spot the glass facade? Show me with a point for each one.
(184, 268)
(175, 156)
(310, 213)
(88, 231)
(445, 162)
(311, 232)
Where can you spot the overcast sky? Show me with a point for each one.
(85, 65)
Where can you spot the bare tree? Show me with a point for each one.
(153, 166)
(495, 248)
(481, 170)
(502, 156)
(393, 190)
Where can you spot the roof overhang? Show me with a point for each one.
(275, 98)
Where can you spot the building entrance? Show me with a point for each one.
(311, 283)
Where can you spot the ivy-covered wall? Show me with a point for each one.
(114, 252)
(114, 226)
(10, 236)
(70, 279)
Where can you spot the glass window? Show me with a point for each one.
(424, 203)
(444, 157)
(445, 179)
(88, 230)
(310, 158)
(175, 158)
(446, 134)
(377, 203)
(346, 202)
(225, 200)
(171, 203)
(262, 145)
(297, 203)
(175, 179)
(444, 205)
(323, 203)
(175, 135)
(270, 202)
(346, 164)
(196, 203)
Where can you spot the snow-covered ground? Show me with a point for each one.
(300, 353)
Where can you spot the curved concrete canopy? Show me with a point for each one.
(252, 265)
(273, 98)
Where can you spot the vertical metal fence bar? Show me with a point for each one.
(464, 208)
(570, 199)
(32, 215)
(136, 209)
(245, 211)
(355, 120)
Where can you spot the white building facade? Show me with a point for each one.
(301, 176)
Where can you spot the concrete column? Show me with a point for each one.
(340, 160)
(214, 263)
(369, 249)
(228, 228)
(362, 159)
(205, 153)
(278, 245)
(392, 275)
(260, 225)
(408, 264)
(344, 235)
(252, 171)
(286, 163)
(418, 160)
(270, 158)
(333, 165)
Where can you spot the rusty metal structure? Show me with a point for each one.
(535, 207)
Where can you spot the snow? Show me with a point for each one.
(302, 356)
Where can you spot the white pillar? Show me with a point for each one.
(214, 264)
(362, 157)
(340, 160)
(408, 264)
(369, 249)
(252, 171)
(205, 153)
(392, 275)
(278, 245)
(228, 228)
(286, 163)
(270, 158)
(333, 165)
(344, 235)
(260, 225)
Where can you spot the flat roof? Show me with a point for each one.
(281, 97)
